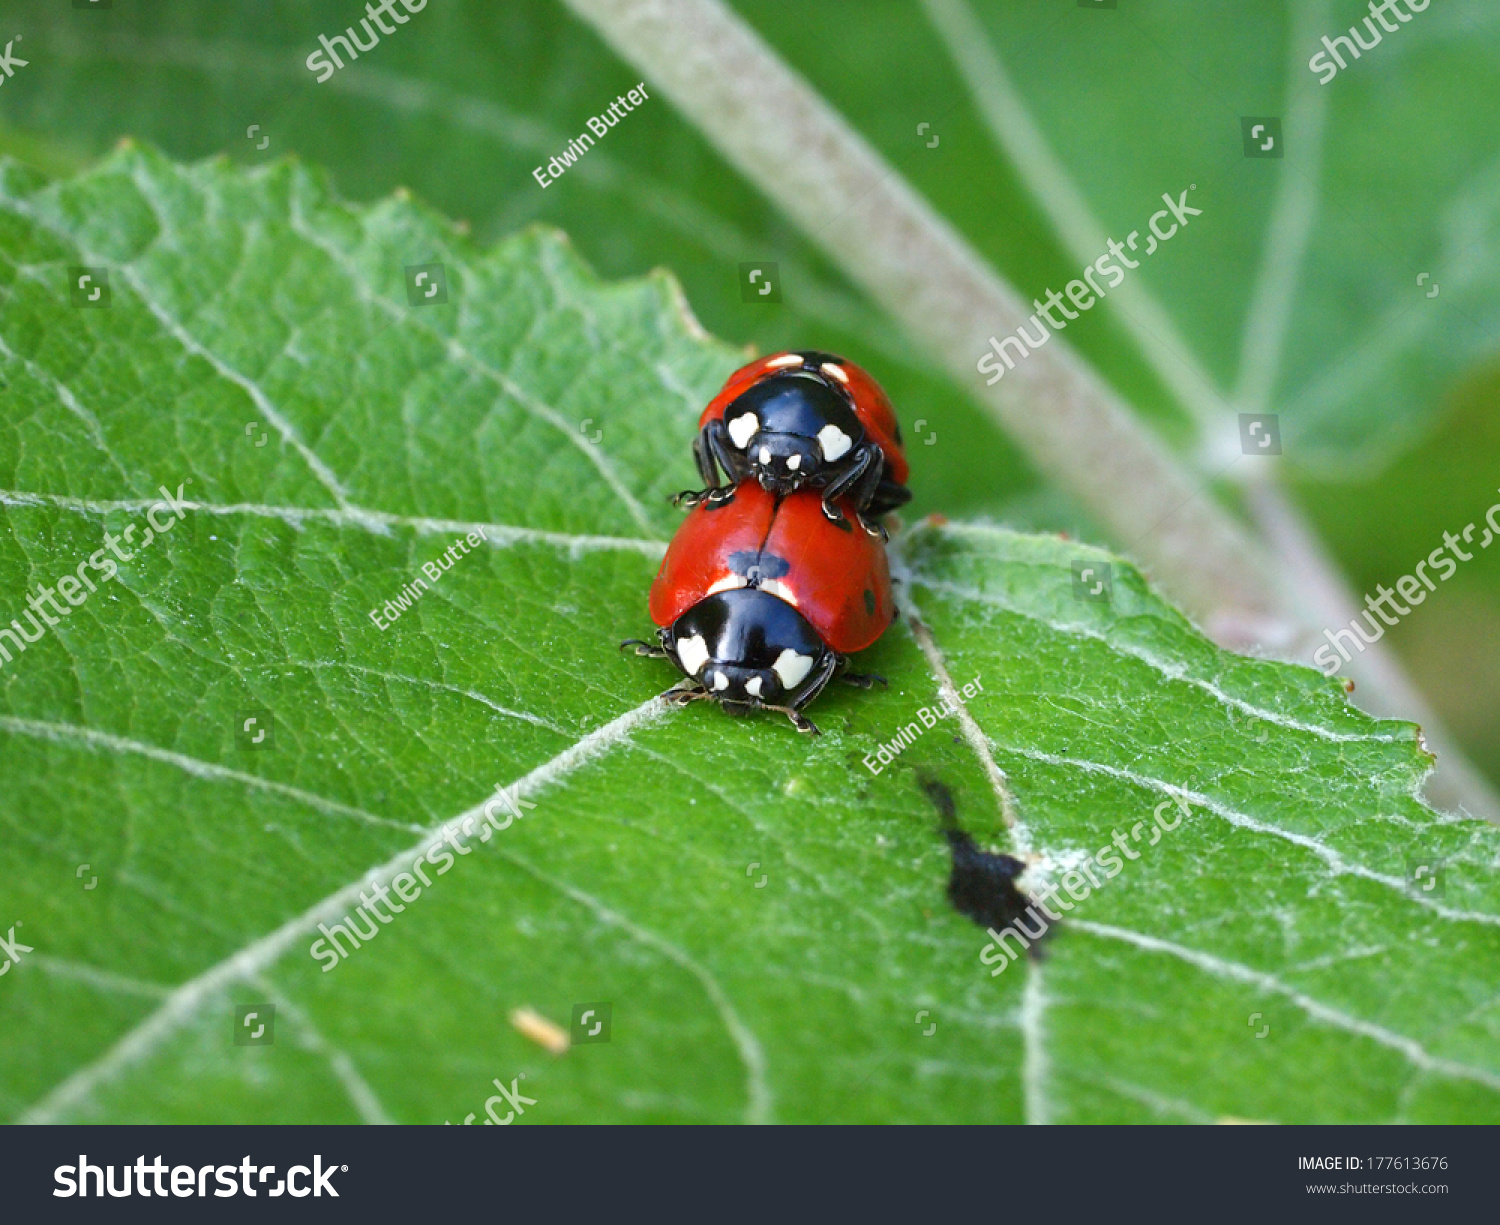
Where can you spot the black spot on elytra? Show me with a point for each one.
(869, 602)
(756, 567)
(982, 884)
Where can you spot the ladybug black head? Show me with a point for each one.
(793, 426)
(747, 648)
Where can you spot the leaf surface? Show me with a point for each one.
(765, 916)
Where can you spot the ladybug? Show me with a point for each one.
(759, 601)
(803, 420)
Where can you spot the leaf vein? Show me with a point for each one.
(69, 733)
(1413, 1051)
(187, 1000)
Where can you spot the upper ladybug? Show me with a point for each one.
(804, 420)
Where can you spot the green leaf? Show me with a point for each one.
(765, 915)
(461, 105)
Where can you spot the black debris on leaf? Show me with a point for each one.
(982, 884)
(942, 800)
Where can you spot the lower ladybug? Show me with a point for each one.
(759, 601)
(804, 420)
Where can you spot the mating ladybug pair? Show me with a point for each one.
(776, 576)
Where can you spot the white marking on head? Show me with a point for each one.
(775, 587)
(721, 682)
(692, 654)
(784, 359)
(742, 430)
(728, 583)
(834, 370)
(834, 442)
(752, 686)
(793, 462)
(765, 456)
(792, 668)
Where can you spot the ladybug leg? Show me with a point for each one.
(830, 664)
(653, 650)
(721, 451)
(864, 497)
(676, 696)
(862, 680)
(888, 496)
(862, 476)
(705, 457)
(800, 721)
(707, 469)
(714, 449)
(854, 467)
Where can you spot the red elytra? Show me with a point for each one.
(871, 405)
(837, 577)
